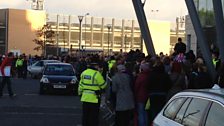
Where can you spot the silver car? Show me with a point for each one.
(204, 107)
(37, 68)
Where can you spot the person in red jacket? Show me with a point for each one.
(6, 74)
(141, 94)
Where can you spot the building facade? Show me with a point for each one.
(3, 31)
(107, 34)
(19, 29)
(95, 33)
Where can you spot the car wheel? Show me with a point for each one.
(31, 75)
(42, 91)
(74, 92)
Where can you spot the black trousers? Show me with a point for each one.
(24, 73)
(90, 113)
(6, 80)
(123, 118)
(156, 104)
(20, 72)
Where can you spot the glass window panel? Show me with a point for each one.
(181, 112)
(195, 112)
(216, 111)
(205, 12)
(173, 107)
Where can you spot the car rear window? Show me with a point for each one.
(66, 70)
(173, 107)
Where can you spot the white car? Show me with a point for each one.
(37, 68)
(204, 107)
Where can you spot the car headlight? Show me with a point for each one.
(44, 80)
(73, 81)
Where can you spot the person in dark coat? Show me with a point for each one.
(24, 67)
(158, 88)
(203, 78)
(1, 59)
(141, 95)
(221, 76)
(180, 47)
(178, 78)
(193, 76)
(80, 67)
(191, 56)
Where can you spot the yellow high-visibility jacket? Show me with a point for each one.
(90, 82)
(19, 62)
(111, 63)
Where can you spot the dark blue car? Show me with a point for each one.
(58, 77)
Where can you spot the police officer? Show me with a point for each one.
(215, 60)
(90, 87)
(111, 62)
(19, 66)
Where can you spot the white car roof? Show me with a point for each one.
(214, 94)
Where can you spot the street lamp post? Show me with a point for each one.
(80, 30)
(109, 27)
(125, 42)
(85, 28)
(154, 12)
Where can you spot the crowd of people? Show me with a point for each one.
(136, 80)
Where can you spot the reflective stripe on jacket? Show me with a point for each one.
(215, 61)
(91, 81)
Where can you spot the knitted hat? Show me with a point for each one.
(144, 66)
(121, 68)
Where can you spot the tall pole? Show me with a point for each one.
(85, 28)
(125, 41)
(109, 27)
(140, 13)
(177, 27)
(80, 30)
(64, 33)
(57, 35)
(44, 43)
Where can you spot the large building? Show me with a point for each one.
(106, 33)
(18, 30)
(94, 33)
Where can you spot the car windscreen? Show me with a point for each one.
(65, 70)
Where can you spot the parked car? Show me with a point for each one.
(204, 107)
(36, 69)
(58, 77)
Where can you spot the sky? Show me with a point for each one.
(168, 10)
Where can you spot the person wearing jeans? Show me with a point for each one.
(141, 94)
(6, 74)
(142, 115)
